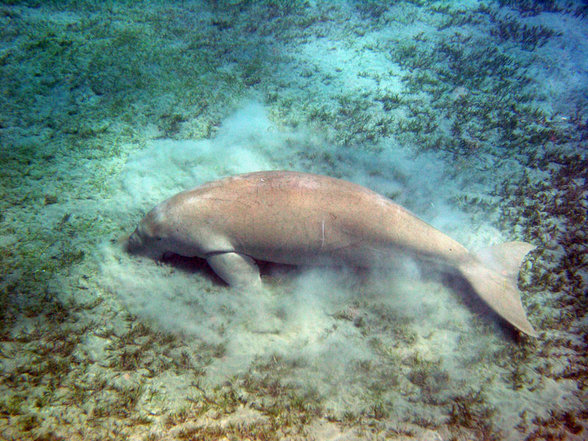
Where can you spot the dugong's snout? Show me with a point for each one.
(137, 244)
(133, 244)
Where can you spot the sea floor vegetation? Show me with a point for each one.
(494, 91)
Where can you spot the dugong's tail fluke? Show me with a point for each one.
(493, 275)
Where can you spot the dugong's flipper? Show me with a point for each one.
(238, 270)
(494, 277)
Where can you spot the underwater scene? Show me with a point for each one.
(409, 262)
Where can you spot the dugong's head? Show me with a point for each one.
(151, 238)
(173, 226)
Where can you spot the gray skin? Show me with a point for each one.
(300, 218)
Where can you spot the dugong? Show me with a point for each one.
(300, 218)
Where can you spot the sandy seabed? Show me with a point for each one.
(471, 114)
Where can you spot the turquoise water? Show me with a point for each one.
(470, 114)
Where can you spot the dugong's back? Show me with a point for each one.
(295, 218)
